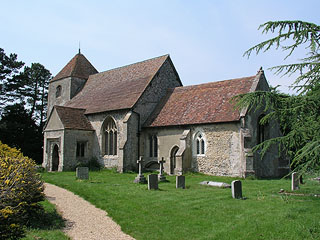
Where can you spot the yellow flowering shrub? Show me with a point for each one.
(21, 189)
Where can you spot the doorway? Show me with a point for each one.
(55, 158)
(173, 159)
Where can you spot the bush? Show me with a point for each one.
(21, 189)
(93, 164)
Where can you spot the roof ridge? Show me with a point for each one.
(128, 65)
(213, 83)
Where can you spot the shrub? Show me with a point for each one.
(92, 164)
(21, 189)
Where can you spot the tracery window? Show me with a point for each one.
(58, 91)
(110, 137)
(153, 146)
(200, 144)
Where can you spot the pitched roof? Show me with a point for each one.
(116, 89)
(199, 104)
(78, 66)
(73, 118)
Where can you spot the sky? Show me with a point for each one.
(206, 39)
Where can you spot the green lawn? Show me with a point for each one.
(200, 212)
(47, 226)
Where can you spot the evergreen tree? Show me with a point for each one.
(298, 115)
(10, 78)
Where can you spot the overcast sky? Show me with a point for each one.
(205, 39)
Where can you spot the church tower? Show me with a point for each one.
(69, 81)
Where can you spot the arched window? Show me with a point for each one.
(58, 91)
(110, 137)
(200, 144)
(261, 130)
(153, 146)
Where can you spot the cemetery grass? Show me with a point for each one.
(48, 225)
(200, 212)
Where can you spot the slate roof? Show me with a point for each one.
(117, 89)
(73, 118)
(199, 104)
(78, 66)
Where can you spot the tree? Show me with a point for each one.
(35, 91)
(18, 130)
(298, 115)
(10, 78)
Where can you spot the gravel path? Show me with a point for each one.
(84, 221)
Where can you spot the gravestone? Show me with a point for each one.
(294, 181)
(153, 182)
(161, 177)
(140, 178)
(180, 182)
(82, 173)
(236, 189)
(216, 184)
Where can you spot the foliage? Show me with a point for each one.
(20, 191)
(23, 101)
(93, 164)
(9, 78)
(298, 115)
(200, 212)
(18, 130)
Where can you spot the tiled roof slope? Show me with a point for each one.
(118, 88)
(73, 118)
(79, 66)
(199, 104)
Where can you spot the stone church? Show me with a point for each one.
(143, 109)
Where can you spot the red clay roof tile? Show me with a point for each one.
(73, 118)
(199, 104)
(116, 89)
(78, 66)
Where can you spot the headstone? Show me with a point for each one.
(294, 181)
(236, 189)
(161, 177)
(153, 182)
(216, 184)
(180, 182)
(82, 173)
(140, 178)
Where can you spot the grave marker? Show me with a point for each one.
(236, 189)
(153, 182)
(140, 178)
(82, 173)
(161, 177)
(294, 181)
(180, 182)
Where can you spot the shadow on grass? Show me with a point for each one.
(46, 218)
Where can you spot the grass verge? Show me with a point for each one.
(200, 212)
(46, 226)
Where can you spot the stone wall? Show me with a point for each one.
(165, 78)
(222, 151)
(97, 121)
(70, 86)
(50, 139)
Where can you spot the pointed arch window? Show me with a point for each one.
(110, 137)
(153, 146)
(200, 144)
(261, 130)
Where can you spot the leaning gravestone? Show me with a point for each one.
(153, 182)
(294, 181)
(236, 189)
(82, 173)
(180, 182)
